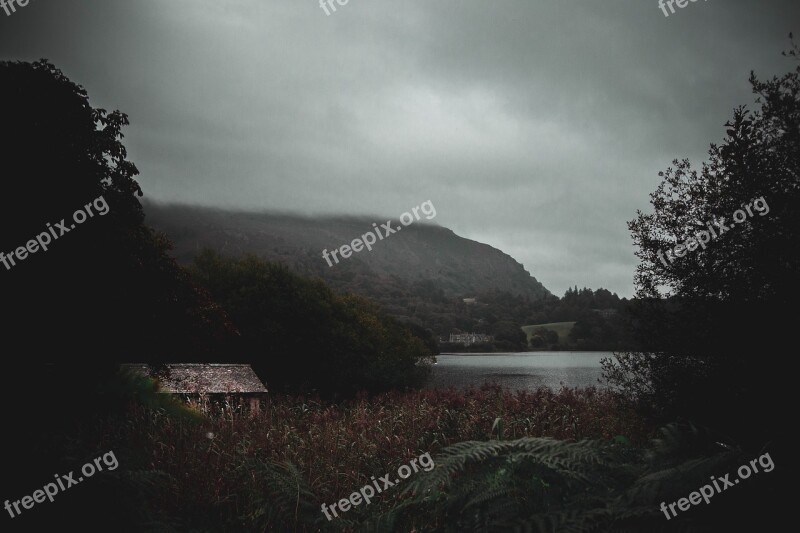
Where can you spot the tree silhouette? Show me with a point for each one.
(100, 293)
(104, 289)
(301, 336)
(731, 301)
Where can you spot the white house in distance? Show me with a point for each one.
(470, 338)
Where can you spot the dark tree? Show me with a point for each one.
(544, 338)
(716, 318)
(98, 290)
(300, 336)
(508, 336)
(79, 299)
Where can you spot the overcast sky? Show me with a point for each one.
(535, 127)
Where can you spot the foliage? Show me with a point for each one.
(545, 485)
(543, 338)
(598, 320)
(108, 279)
(284, 500)
(299, 335)
(104, 291)
(271, 470)
(702, 318)
(508, 336)
(757, 259)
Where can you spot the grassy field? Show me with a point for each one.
(562, 328)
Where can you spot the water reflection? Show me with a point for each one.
(519, 371)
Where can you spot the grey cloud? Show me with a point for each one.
(536, 127)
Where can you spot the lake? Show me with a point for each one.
(519, 371)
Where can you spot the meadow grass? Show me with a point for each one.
(336, 447)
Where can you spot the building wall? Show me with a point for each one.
(470, 338)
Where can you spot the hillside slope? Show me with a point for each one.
(422, 258)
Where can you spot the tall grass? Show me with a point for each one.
(223, 469)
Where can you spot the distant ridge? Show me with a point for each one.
(423, 257)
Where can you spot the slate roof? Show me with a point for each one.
(191, 378)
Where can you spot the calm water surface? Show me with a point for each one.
(519, 371)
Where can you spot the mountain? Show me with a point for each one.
(423, 260)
